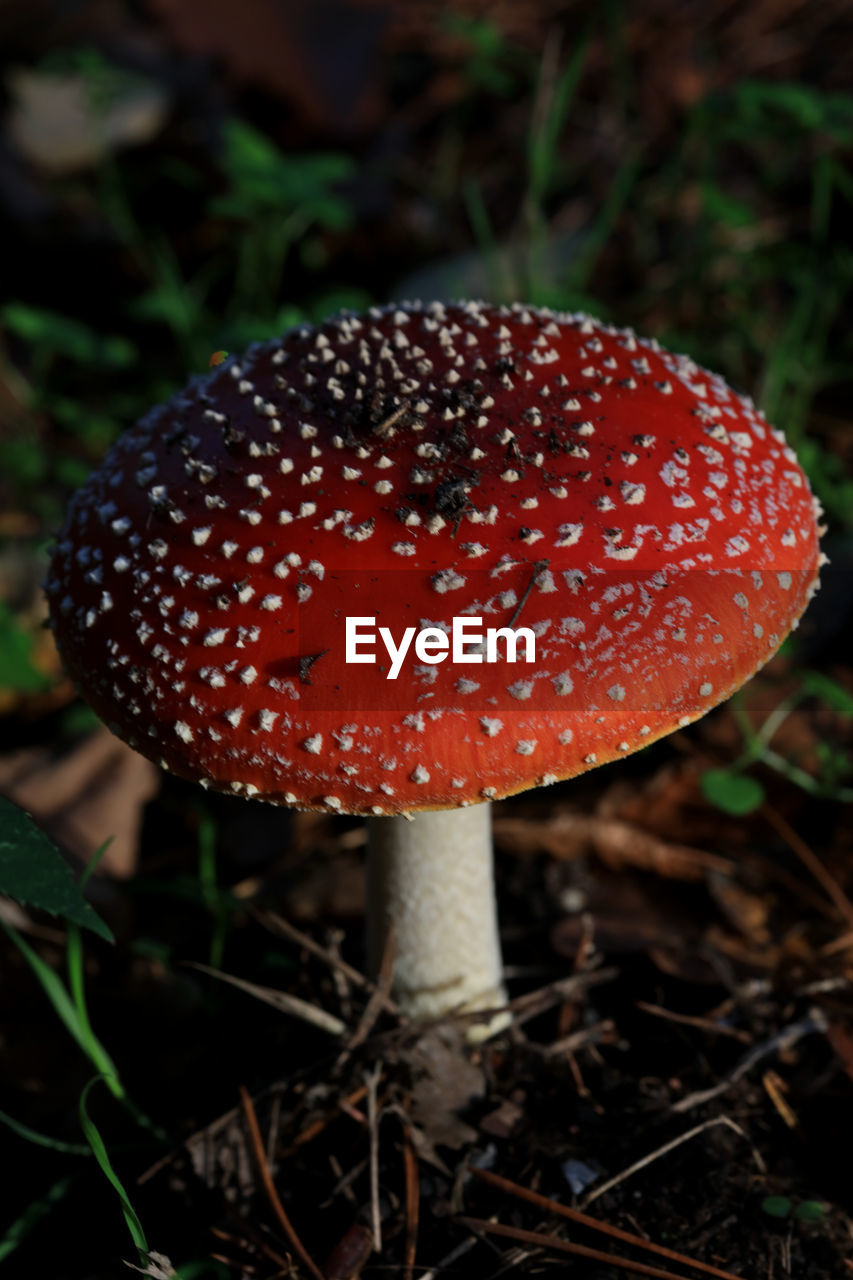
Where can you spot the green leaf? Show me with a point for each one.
(33, 872)
(829, 691)
(53, 988)
(96, 430)
(810, 1211)
(78, 720)
(206, 1267)
(765, 106)
(72, 472)
(776, 1206)
(491, 56)
(17, 670)
(42, 1139)
(722, 207)
(22, 460)
(66, 336)
(101, 1154)
(732, 792)
(32, 1216)
(264, 179)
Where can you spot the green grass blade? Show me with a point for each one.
(208, 878)
(43, 1139)
(549, 120)
(502, 286)
(599, 233)
(63, 1006)
(18, 1230)
(99, 1150)
(91, 1045)
(202, 1267)
(72, 1012)
(92, 864)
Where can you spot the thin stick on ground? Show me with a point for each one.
(813, 864)
(844, 943)
(689, 1020)
(664, 1150)
(269, 1186)
(281, 1000)
(345, 1105)
(250, 1240)
(542, 1241)
(784, 1039)
(532, 1003)
(377, 1001)
(410, 1170)
(372, 1081)
(575, 1215)
(449, 1258)
(284, 929)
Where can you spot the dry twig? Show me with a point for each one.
(532, 1003)
(347, 1105)
(567, 1246)
(810, 861)
(280, 1000)
(844, 943)
(575, 1215)
(595, 1034)
(377, 1001)
(372, 1080)
(664, 1150)
(251, 1240)
(448, 1260)
(284, 929)
(814, 1021)
(410, 1169)
(690, 1020)
(269, 1186)
(774, 1088)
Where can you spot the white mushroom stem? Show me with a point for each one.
(432, 878)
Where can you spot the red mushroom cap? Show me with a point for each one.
(414, 465)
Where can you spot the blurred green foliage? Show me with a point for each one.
(493, 63)
(17, 669)
(51, 336)
(738, 793)
(784, 1207)
(715, 238)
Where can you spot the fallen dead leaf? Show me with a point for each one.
(445, 1080)
(318, 54)
(566, 834)
(56, 124)
(92, 792)
(747, 912)
(506, 1117)
(220, 1157)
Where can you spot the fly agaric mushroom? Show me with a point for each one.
(402, 473)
